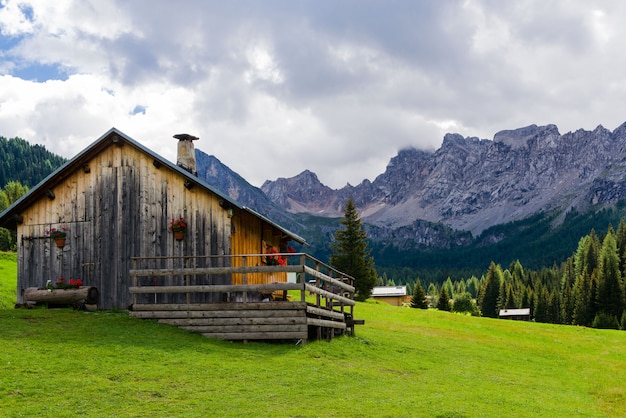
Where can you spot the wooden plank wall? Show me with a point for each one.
(249, 234)
(119, 208)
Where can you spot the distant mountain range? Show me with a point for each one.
(471, 184)
(456, 194)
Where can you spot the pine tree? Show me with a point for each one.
(620, 238)
(449, 287)
(432, 292)
(542, 302)
(517, 272)
(527, 297)
(567, 294)
(351, 255)
(490, 291)
(582, 295)
(554, 307)
(586, 256)
(472, 286)
(444, 300)
(610, 296)
(567, 304)
(418, 300)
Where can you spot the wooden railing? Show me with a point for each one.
(194, 283)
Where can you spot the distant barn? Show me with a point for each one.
(393, 295)
(515, 314)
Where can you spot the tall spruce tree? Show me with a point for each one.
(582, 300)
(620, 238)
(490, 291)
(610, 296)
(418, 300)
(351, 255)
(542, 303)
(444, 300)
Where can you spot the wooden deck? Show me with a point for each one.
(322, 305)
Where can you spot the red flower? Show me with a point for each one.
(277, 259)
(76, 283)
(178, 225)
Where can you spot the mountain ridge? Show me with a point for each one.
(471, 184)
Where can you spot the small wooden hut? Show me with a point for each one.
(393, 295)
(116, 200)
(522, 314)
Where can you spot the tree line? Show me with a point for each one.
(26, 163)
(12, 191)
(537, 241)
(587, 289)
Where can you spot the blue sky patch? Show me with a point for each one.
(40, 72)
(138, 109)
(8, 42)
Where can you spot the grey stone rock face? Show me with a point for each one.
(471, 184)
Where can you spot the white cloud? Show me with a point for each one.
(274, 88)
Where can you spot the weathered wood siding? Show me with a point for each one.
(120, 208)
(249, 234)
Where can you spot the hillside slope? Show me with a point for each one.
(26, 163)
(402, 362)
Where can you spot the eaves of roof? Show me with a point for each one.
(114, 136)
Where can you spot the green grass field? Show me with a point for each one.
(403, 362)
(8, 279)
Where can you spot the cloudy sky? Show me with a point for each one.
(276, 87)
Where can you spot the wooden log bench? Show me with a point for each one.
(85, 294)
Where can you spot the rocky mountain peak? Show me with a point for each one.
(465, 186)
(520, 138)
(471, 184)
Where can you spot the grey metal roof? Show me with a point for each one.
(514, 312)
(382, 291)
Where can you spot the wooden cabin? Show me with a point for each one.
(522, 314)
(393, 295)
(116, 200)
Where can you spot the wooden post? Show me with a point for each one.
(244, 279)
(134, 281)
(186, 281)
(318, 298)
(303, 279)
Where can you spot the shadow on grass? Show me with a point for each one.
(117, 328)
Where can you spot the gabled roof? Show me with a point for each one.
(515, 312)
(388, 291)
(8, 218)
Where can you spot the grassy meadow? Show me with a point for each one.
(402, 362)
(8, 279)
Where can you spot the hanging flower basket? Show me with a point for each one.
(58, 235)
(178, 227)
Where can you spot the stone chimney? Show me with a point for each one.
(186, 157)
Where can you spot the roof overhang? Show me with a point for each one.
(10, 217)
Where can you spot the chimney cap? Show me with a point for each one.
(186, 137)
